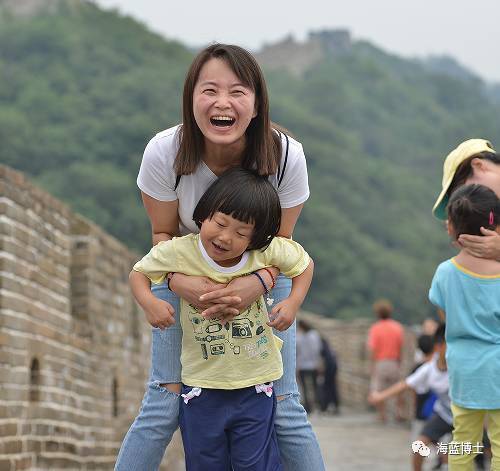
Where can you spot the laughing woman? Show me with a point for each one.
(225, 124)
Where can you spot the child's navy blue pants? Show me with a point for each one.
(225, 430)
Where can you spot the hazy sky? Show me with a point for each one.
(466, 30)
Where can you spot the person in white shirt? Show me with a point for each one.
(225, 124)
(431, 376)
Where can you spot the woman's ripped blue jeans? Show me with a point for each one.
(150, 433)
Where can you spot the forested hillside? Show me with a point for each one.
(82, 91)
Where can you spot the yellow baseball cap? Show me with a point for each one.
(465, 150)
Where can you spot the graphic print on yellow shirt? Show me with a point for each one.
(237, 354)
(244, 351)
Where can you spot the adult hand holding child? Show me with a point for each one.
(485, 246)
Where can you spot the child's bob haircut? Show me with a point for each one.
(426, 344)
(246, 196)
(472, 207)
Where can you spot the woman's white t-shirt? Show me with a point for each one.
(157, 177)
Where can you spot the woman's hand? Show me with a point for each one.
(485, 246)
(159, 313)
(283, 314)
(191, 288)
(229, 301)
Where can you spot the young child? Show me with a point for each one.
(431, 376)
(467, 289)
(227, 412)
(424, 402)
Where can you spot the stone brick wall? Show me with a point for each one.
(297, 56)
(74, 346)
(290, 55)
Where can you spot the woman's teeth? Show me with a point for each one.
(222, 120)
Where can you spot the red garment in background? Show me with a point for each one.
(385, 339)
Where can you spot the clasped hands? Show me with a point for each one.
(216, 300)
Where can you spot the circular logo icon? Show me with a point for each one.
(418, 446)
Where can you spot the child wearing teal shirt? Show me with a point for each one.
(467, 289)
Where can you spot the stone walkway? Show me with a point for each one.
(354, 441)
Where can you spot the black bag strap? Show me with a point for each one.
(177, 180)
(280, 178)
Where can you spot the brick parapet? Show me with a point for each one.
(74, 346)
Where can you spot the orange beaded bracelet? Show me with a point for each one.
(273, 280)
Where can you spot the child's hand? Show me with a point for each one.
(374, 398)
(283, 314)
(159, 313)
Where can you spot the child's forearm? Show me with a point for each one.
(141, 288)
(301, 283)
(393, 390)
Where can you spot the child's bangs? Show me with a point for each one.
(243, 210)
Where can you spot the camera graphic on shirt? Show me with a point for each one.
(241, 329)
(197, 322)
(217, 349)
(212, 328)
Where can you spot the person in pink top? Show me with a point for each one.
(385, 341)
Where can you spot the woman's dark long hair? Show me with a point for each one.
(263, 145)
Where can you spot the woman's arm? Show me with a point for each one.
(289, 217)
(163, 216)
(284, 313)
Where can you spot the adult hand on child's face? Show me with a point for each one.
(191, 288)
(228, 302)
(485, 246)
(159, 313)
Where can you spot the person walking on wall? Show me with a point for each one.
(308, 362)
(385, 342)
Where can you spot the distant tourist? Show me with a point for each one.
(428, 329)
(225, 124)
(308, 362)
(467, 289)
(424, 401)
(329, 395)
(385, 342)
(431, 376)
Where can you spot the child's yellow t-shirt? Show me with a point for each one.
(243, 352)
